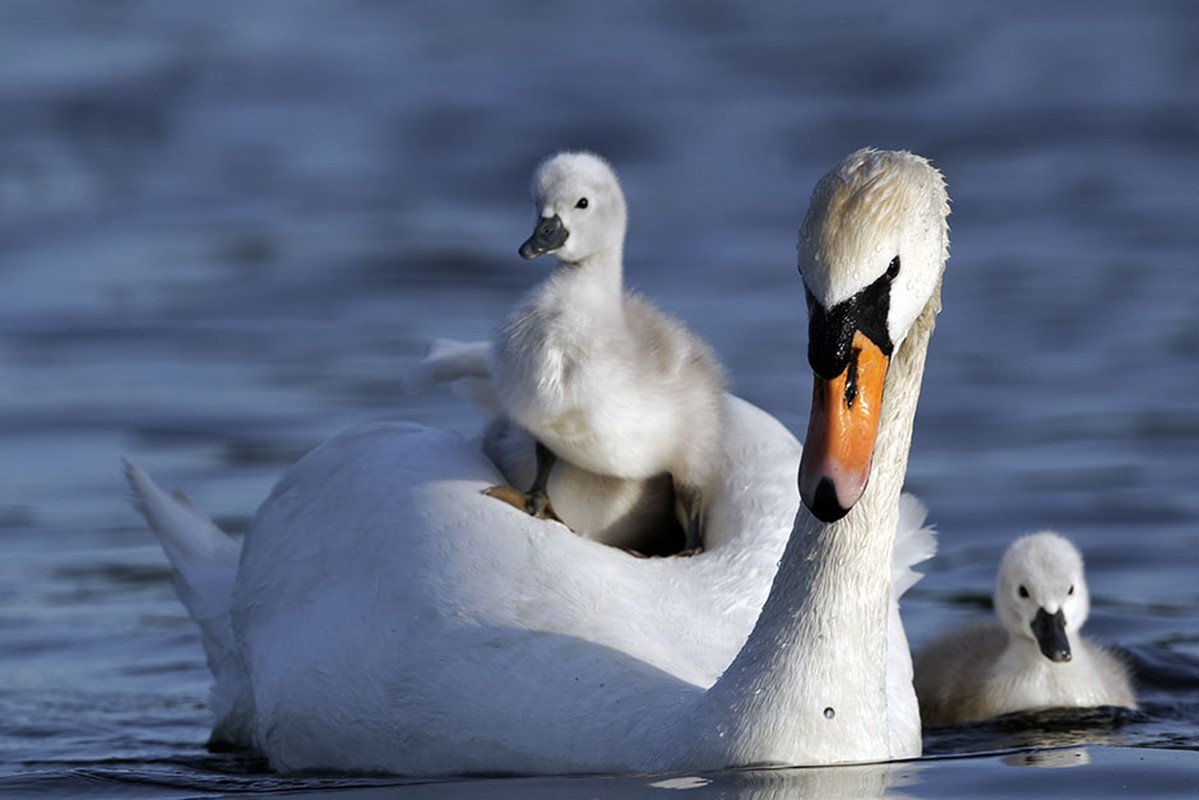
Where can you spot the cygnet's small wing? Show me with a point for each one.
(466, 365)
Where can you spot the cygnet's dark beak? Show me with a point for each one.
(549, 235)
(1050, 631)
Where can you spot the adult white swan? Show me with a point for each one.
(386, 615)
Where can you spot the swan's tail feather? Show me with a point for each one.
(915, 542)
(204, 561)
(203, 556)
(466, 365)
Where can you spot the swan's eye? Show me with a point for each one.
(1071, 589)
(582, 203)
(893, 269)
(1023, 591)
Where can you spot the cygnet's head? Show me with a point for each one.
(581, 209)
(1041, 592)
(872, 249)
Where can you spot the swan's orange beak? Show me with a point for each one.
(841, 429)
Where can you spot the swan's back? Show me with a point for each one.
(462, 596)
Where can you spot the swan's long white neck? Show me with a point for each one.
(810, 685)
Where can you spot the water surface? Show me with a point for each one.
(226, 230)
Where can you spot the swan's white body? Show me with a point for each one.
(996, 667)
(388, 616)
(602, 377)
(386, 609)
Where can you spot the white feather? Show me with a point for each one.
(204, 562)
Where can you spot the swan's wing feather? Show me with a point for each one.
(914, 543)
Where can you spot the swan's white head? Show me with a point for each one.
(580, 206)
(871, 252)
(1041, 593)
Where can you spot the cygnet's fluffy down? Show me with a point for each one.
(600, 377)
(1032, 656)
(634, 515)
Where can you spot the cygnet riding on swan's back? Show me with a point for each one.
(599, 377)
(1033, 657)
(386, 616)
(634, 515)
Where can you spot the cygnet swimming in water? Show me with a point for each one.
(600, 377)
(1033, 656)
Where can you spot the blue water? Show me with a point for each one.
(227, 228)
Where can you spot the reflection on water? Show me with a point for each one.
(1050, 729)
(868, 781)
(1050, 759)
(228, 228)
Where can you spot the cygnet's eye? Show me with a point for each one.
(582, 203)
(1023, 591)
(1071, 589)
(893, 269)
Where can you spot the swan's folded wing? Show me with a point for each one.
(914, 543)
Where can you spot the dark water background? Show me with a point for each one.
(226, 228)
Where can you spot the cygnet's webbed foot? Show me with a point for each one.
(535, 504)
(536, 501)
(507, 494)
